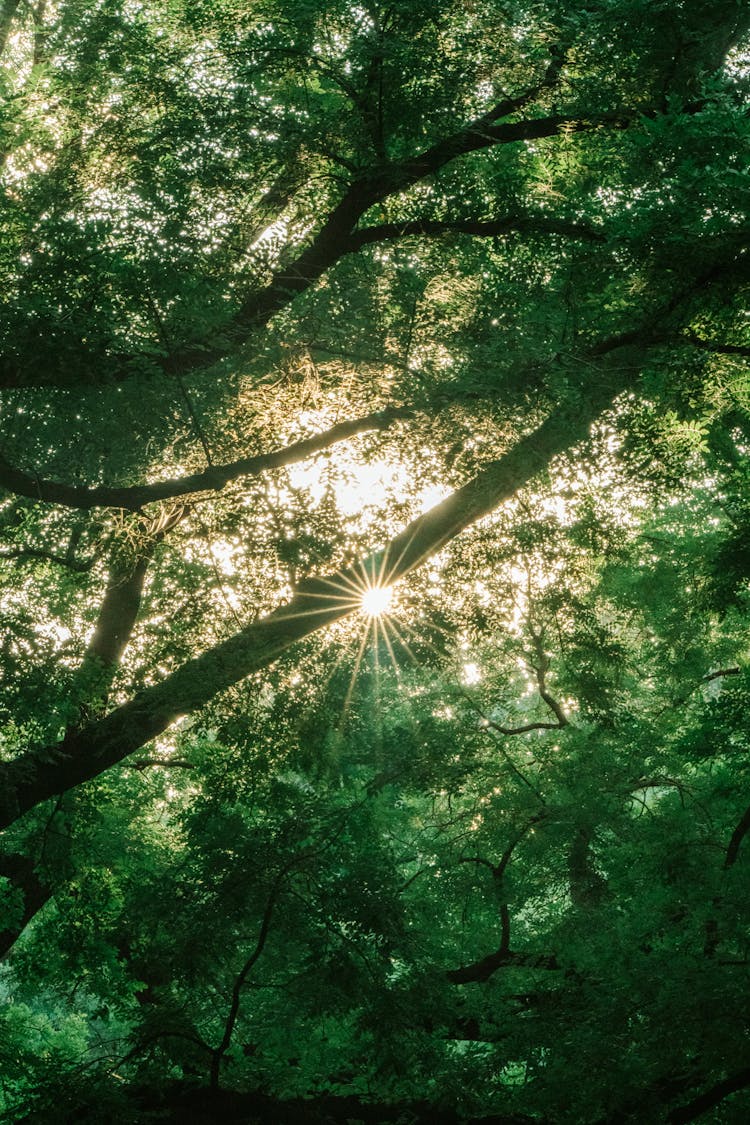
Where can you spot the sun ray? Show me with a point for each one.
(386, 626)
(340, 593)
(376, 622)
(315, 612)
(346, 649)
(353, 584)
(422, 640)
(390, 569)
(402, 641)
(355, 670)
(389, 624)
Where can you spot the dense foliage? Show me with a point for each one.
(306, 297)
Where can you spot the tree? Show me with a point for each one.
(482, 855)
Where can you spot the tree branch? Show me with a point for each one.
(133, 498)
(78, 566)
(711, 1097)
(20, 871)
(479, 971)
(234, 1007)
(715, 346)
(332, 241)
(165, 763)
(540, 669)
(482, 228)
(737, 837)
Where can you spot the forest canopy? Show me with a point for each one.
(375, 545)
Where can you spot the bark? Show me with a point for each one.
(82, 755)
(587, 887)
(336, 237)
(737, 837)
(115, 623)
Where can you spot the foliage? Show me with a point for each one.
(304, 297)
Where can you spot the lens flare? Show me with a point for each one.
(376, 600)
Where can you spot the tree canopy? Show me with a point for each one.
(375, 540)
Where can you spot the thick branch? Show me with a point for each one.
(82, 755)
(20, 871)
(335, 236)
(214, 478)
(479, 971)
(715, 346)
(482, 228)
(118, 611)
(711, 1097)
(737, 837)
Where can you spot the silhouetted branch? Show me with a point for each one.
(502, 956)
(133, 498)
(114, 626)
(481, 228)
(737, 837)
(482, 970)
(234, 1007)
(715, 346)
(78, 566)
(164, 763)
(320, 601)
(710, 1097)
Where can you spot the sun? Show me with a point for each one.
(376, 600)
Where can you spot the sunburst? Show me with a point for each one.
(376, 600)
